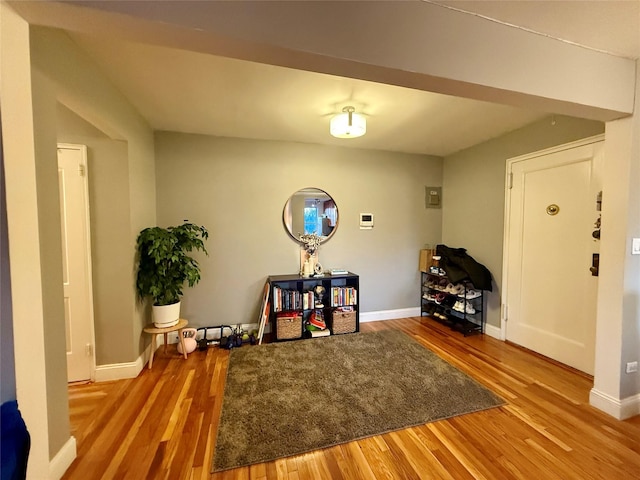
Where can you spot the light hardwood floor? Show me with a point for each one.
(162, 425)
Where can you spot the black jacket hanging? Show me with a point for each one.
(459, 265)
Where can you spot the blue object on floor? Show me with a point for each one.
(15, 442)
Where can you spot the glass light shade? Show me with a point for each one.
(348, 125)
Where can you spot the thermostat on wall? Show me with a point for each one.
(366, 221)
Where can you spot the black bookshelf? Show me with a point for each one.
(296, 286)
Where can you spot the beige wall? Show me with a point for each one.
(619, 342)
(111, 244)
(29, 272)
(238, 189)
(7, 359)
(44, 109)
(85, 90)
(473, 192)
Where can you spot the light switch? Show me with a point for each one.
(635, 246)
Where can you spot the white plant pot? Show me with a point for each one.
(166, 315)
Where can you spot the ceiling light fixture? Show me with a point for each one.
(348, 124)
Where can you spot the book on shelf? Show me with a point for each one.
(343, 296)
(338, 271)
(287, 299)
(319, 333)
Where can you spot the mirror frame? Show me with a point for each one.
(313, 192)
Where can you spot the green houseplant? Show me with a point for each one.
(164, 266)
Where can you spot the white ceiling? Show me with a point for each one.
(612, 26)
(192, 92)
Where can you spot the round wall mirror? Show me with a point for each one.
(310, 210)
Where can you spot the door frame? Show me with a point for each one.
(87, 238)
(504, 313)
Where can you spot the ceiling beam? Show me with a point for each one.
(412, 44)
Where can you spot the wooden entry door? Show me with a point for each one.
(550, 304)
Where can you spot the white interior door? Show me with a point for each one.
(76, 254)
(550, 291)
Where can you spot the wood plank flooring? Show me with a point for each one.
(162, 425)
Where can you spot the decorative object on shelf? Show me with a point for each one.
(306, 269)
(348, 124)
(164, 266)
(318, 271)
(310, 210)
(319, 291)
(310, 243)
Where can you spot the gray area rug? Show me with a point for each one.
(283, 399)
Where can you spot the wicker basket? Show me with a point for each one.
(289, 327)
(343, 322)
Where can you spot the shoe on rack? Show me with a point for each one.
(439, 298)
(449, 301)
(470, 294)
(459, 306)
(469, 308)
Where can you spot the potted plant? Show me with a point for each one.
(164, 266)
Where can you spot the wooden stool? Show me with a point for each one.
(153, 330)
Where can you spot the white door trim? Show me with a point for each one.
(87, 235)
(504, 313)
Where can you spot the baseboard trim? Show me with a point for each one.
(389, 314)
(620, 409)
(120, 371)
(493, 331)
(63, 459)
